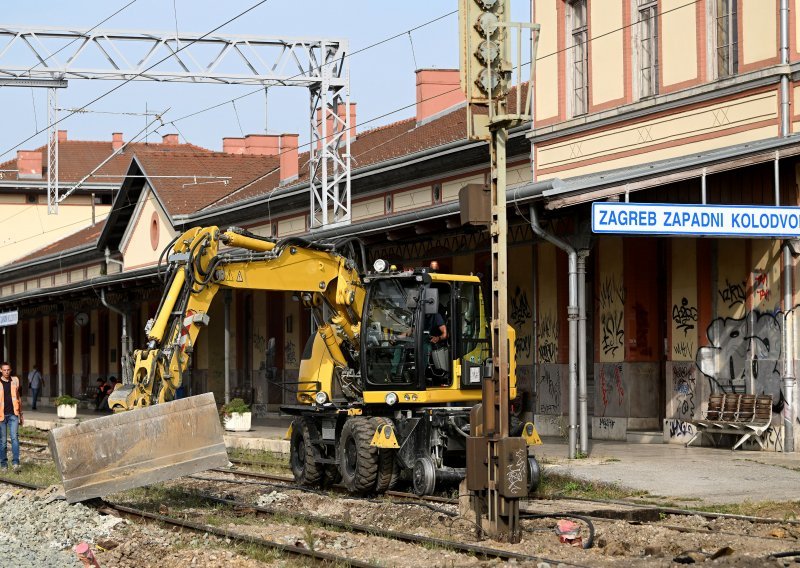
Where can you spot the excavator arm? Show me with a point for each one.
(202, 261)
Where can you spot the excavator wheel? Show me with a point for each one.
(302, 460)
(424, 476)
(358, 461)
(386, 465)
(534, 474)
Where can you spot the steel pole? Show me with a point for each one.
(788, 351)
(60, 347)
(583, 410)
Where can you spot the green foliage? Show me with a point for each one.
(66, 399)
(237, 405)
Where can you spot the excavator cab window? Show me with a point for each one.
(472, 335)
(389, 342)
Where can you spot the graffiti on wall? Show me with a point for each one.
(761, 291)
(679, 429)
(683, 349)
(290, 353)
(683, 389)
(612, 390)
(547, 336)
(612, 310)
(684, 316)
(741, 348)
(520, 308)
(733, 294)
(548, 389)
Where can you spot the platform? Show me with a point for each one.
(688, 476)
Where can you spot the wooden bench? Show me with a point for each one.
(87, 397)
(245, 393)
(744, 415)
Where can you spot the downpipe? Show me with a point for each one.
(572, 315)
(583, 408)
(788, 352)
(124, 339)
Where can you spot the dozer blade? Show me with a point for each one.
(138, 447)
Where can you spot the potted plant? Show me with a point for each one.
(236, 416)
(67, 406)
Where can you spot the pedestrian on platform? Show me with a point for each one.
(35, 383)
(10, 416)
(102, 392)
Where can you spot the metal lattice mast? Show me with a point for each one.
(320, 65)
(52, 152)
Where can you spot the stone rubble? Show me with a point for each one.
(34, 533)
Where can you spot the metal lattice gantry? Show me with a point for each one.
(29, 54)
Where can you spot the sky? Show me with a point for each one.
(381, 78)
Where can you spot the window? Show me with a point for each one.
(580, 61)
(727, 38)
(648, 47)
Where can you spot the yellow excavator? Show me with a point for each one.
(386, 383)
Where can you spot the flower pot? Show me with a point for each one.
(67, 411)
(238, 421)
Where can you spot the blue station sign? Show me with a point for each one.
(707, 220)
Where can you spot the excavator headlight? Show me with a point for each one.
(380, 265)
(391, 398)
(321, 397)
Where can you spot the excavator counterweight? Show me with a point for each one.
(132, 449)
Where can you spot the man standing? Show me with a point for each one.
(35, 384)
(11, 417)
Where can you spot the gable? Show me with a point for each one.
(149, 232)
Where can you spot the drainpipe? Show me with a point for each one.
(785, 103)
(534, 334)
(583, 409)
(788, 352)
(123, 358)
(788, 263)
(572, 315)
(60, 347)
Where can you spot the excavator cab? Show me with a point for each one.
(424, 333)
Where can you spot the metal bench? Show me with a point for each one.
(86, 399)
(744, 415)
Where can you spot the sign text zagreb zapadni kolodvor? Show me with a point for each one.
(723, 220)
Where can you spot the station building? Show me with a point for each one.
(642, 101)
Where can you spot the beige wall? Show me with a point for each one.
(610, 300)
(608, 73)
(292, 342)
(759, 20)
(547, 69)
(548, 318)
(683, 301)
(94, 350)
(732, 278)
(610, 148)
(33, 228)
(766, 275)
(678, 35)
(137, 250)
(520, 296)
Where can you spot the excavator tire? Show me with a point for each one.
(358, 461)
(386, 466)
(302, 460)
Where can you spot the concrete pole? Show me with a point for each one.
(228, 300)
(583, 409)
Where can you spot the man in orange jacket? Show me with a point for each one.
(10, 416)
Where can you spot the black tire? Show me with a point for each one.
(424, 476)
(302, 458)
(358, 461)
(534, 474)
(386, 467)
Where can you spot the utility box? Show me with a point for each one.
(474, 199)
(512, 468)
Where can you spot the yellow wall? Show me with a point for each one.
(766, 276)
(548, 325)
(608, 74)
(732, 276)
(520, 296)
(610, 298)
(137, 250)
(642, 136)
(547, 69)
(759, 20)
(678, 36)
(683, 301)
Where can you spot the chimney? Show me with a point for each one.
(437, 90)
(261, 144)
(62, 135)
(289, 158)
(170, 139)
(233, 145)
(116, 141)
(29, 164)
(352, 118)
